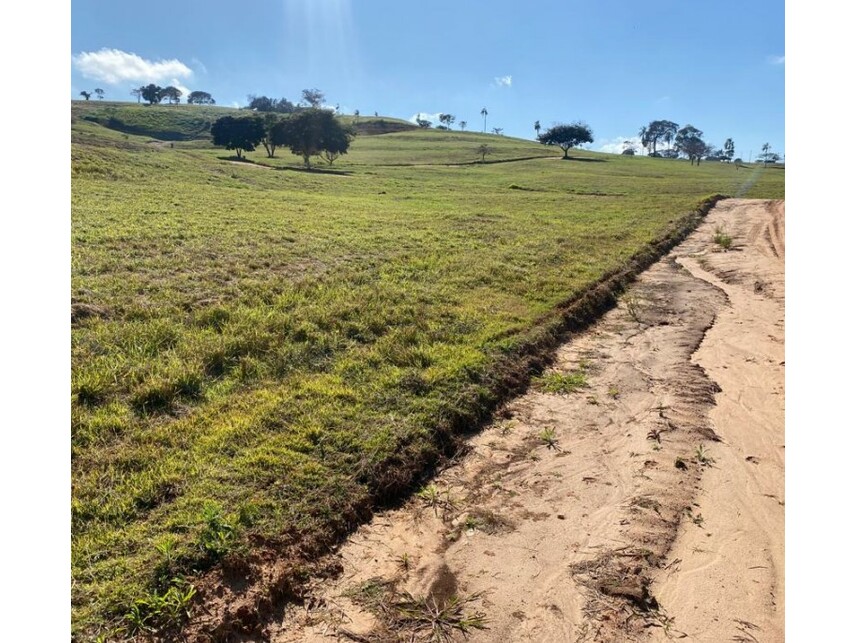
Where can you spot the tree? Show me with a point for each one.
(200, 98)
(86, 94)
(484, 113)
(497, 130)
(243, 133)
(688, 141)
(567, 136)
(483, 150)
(152, 93)
(314, 132)
(462, 124)
(655, 131)
(137, 92)
(629, 148)
(423, 123)
(275, 133)
(260, 103)
(765, 156)
(729, 149)
(172, 94)
(644, 138)
(538, 127)
(99, 92)
(313, 97)
(447, 119)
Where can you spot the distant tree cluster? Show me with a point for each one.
(97, 91)
(155, 94)
(310, 99)
(688, 142)
(307, 133)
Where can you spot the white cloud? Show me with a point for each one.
(503, 81)
(434, 118)
(617, 145)
(777, 60)
(184, 90)
(116, 66)
(196, 62)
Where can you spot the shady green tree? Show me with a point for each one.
(567, 136)
(316, 132)
(200, 98)
(688, 141)
(729, 149)
(151, 93)
(243, 133)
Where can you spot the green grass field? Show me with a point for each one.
(259, 355)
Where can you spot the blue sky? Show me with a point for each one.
(616, 65)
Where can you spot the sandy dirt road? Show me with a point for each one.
(646, 504)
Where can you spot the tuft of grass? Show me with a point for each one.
(702, 457)
(161, 613)
(549, 438)
(634, 307)
(432, 496)
(561, 383)
(428, 619)
(722, 239)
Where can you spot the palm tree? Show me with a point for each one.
(484, 113)
(538, 127)
(644, 138)
(463, 124)
(765, 155)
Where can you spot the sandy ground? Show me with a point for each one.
(646, 505)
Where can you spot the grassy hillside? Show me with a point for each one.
(193, 122)
(259, 355)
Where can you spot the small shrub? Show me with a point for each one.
(722, 239)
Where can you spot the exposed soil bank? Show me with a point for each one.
(611, 512)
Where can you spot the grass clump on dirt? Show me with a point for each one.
(261, 355)
(561, 383)
(722, 239)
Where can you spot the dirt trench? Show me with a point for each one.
(645, 502)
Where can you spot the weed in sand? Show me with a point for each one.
(561, 383)
(722, 239)
(429, 620)
(634, 307)
(549, 438)
(432, 496)
(613, 392)
(404, 562)
(702, 457)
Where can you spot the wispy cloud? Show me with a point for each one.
(197, 63)
(663, 99)
(503, 81)
(434, 118)
(777, 60)
(184, 90)
(114, 66)
(617, 145)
